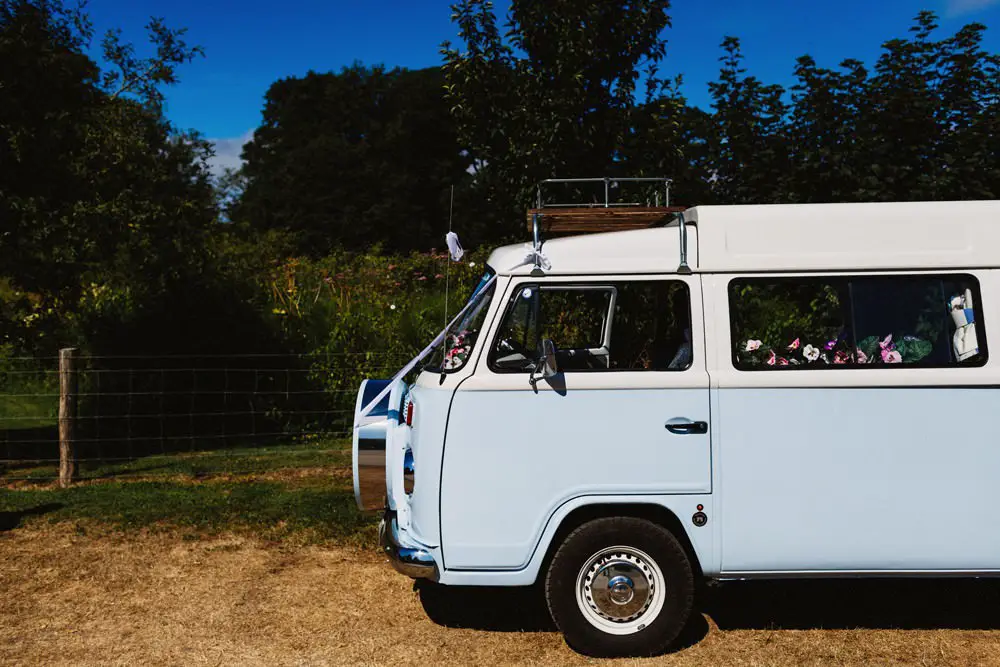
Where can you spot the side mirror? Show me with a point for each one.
(546, 366)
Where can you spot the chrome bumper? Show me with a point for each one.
(415, 563)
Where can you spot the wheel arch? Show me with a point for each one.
(651, 511)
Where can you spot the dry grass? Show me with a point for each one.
(156, 599)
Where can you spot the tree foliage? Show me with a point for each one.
(921, 125)
(557, 94)
(109, 221)
(351, 159)
(101, 202)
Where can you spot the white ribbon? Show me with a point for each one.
(533, 257)
(416, 360)
(454, 247)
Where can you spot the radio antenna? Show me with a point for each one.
(447, 267)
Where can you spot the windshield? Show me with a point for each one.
(460, 338)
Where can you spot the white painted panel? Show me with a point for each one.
(513, 457)
(787, 237)
(859, 479)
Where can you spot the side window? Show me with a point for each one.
(856, 321)
(635, 325)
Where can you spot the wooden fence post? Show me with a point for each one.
(67, 415)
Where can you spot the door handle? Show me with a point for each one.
(684, 426)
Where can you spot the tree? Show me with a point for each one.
(825, 132)
(556, 96)
(921, 126)
(747, 144)
(352, 159)
(101, 201)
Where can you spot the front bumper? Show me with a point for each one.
(415, 563)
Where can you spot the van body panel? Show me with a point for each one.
(881, 469)
(513, 456)
(860, 479)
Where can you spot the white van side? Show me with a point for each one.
(815, 397)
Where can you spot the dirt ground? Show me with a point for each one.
(77, 599)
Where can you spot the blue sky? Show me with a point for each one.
(250, 44)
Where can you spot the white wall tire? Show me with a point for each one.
(620, 586)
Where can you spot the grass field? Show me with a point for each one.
(260, 558)
(297, 493)
(28, 412)
(154, 599)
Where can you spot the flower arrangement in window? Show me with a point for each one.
(457, 348)
(837, 351)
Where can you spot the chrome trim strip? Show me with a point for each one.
(414, 563)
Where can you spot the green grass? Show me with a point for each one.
(259, 492)
(28, 412)
(306, 511)
(300, 452)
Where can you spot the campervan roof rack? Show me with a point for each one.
(607, 214)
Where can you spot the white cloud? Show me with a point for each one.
(962, 7)
(227, 152)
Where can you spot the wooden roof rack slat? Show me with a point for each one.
(589, 220)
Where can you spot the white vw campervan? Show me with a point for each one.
(739, 392)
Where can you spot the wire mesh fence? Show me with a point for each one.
(139, 416)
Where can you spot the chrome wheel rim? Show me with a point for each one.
(619, 590)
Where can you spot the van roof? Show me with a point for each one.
(784, 237)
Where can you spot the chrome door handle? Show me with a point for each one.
(682, 426)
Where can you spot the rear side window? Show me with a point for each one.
(856, 322)
(613, 326)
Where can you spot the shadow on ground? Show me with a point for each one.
(11, 520)
(908, 604)
(510, 610)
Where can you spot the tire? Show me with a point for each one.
(620, 586)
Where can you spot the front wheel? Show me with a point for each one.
(620, 586)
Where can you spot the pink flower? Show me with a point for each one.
(422, 278)
(771, 359)
(892, 356)
(830, 345)
(862, 357)
(795, 344)
(439, 276)
(841, 357)
(782, 361)
(887, 343)
(752, 345)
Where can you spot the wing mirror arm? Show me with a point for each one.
(546, 366)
